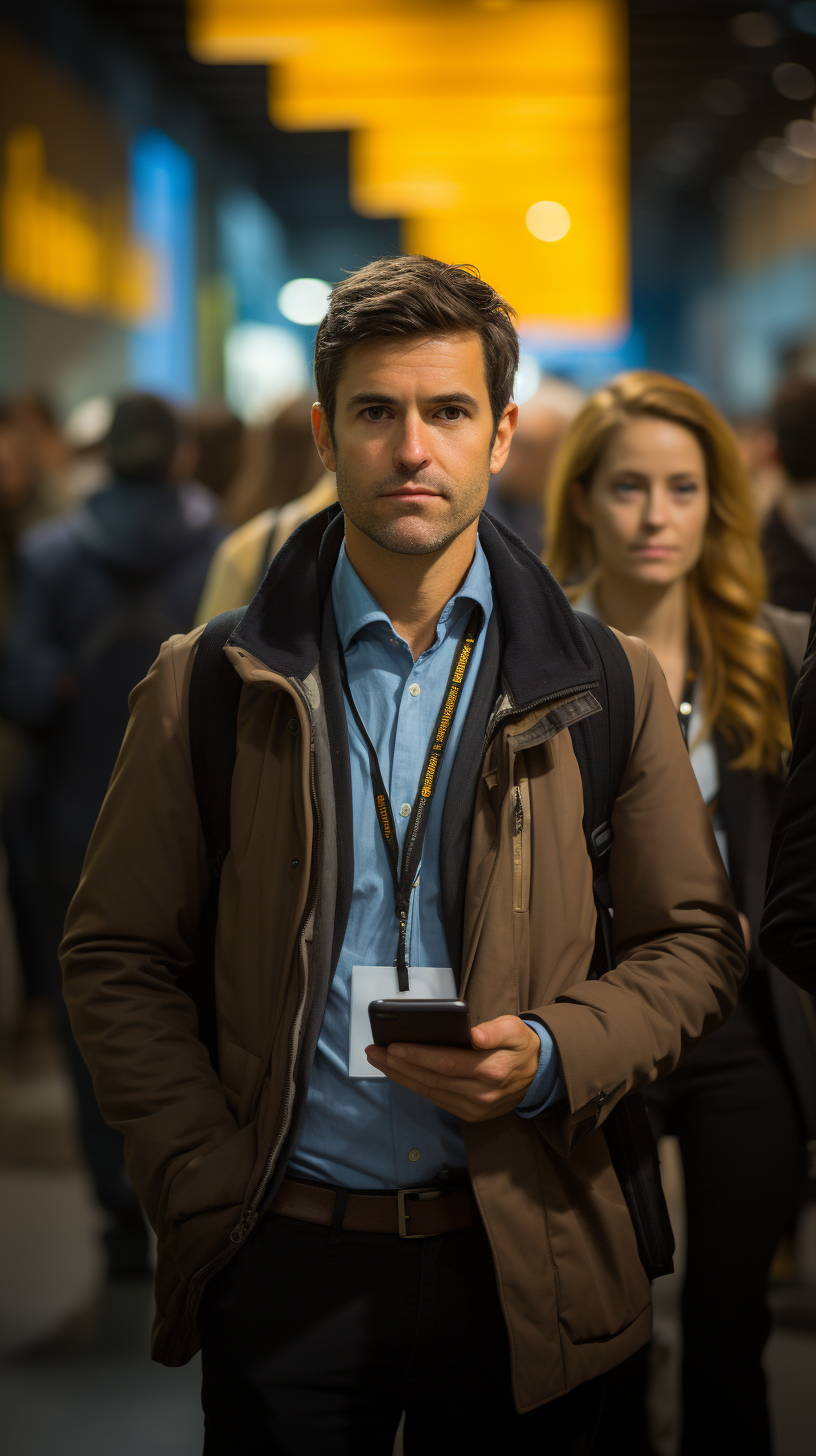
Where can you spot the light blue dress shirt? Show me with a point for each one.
(361, 1133)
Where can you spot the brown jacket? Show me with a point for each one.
(205, 1151)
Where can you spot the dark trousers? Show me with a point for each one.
(733, 1111)
(313, 1343)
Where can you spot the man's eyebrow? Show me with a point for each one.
(367, 397)
(456, 397)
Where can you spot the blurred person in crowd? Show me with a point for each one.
(23, 500)
(516, 494)
(787, 934)
(789, 537)
(286, 1179)
(650, 507)
(49, 450)
(757, 446)
(240, 563)
(100, 589)
(282, 464)
(221, 440)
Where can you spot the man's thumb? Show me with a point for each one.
(504, 1031)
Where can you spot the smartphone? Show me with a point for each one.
(425, 1023)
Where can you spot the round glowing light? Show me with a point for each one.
(264, 367)
(304, 300)
(548, 221)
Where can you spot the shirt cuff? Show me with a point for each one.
(547, 1084)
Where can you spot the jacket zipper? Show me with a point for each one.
(248, 1219)
(499, 718)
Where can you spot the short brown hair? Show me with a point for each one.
(793, 419)
(409, 295)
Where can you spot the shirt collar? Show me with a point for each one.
(355, 607)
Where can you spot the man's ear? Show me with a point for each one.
(579, 503)
(505, 431)
(322, 437)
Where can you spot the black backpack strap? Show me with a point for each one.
(215, 691)
(602, 744)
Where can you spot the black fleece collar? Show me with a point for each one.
(544, 649)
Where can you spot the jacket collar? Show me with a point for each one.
(545, 651)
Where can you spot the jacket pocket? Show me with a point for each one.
(603, 1287)
(214, 1179)
(520, 830)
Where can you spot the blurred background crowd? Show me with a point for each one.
(179, 187)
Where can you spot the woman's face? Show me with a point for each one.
(648, 502)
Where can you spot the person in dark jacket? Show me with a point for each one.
(99, 591)
(649, 504)
(787, 934)
(789, 537)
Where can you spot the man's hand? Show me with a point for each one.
(474, 1085)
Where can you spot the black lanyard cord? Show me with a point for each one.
(404, 874)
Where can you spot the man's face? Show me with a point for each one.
(413, 439)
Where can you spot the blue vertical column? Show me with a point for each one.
(163, 353)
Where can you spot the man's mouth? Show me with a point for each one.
(411, 492)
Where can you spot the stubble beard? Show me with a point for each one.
(409, 534)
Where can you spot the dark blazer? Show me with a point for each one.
(788, 929)
(791, 571)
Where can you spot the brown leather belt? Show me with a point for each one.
(413, 1213)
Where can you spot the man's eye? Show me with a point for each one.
(375, 412)
(452, 412)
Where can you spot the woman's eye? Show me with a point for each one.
(626, 487)
(686, 487)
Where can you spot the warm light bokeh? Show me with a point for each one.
(464, 114)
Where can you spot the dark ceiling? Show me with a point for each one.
(702, 97)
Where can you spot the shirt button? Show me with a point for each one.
(414, 1155)
(405, 810)
(414, 690)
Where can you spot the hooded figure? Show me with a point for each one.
(99, 591)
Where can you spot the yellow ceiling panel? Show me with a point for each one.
(578, 282)
(464, 113)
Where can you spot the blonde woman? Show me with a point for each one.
(651, 527)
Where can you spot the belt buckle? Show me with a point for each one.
(428, 1192)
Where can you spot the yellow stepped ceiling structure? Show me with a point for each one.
(464, 115)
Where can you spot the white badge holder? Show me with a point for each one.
(376, 983)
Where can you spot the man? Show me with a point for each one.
(288, 1242)
(789, 536)
(99, 589)
(516, 496)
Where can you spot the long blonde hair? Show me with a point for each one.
(741, 667)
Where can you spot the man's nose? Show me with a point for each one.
(412, 450)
